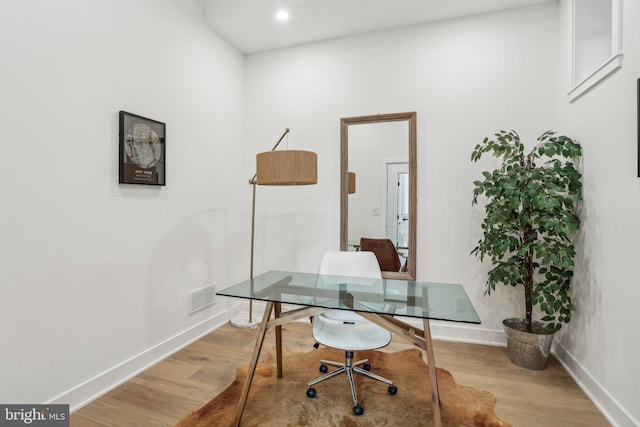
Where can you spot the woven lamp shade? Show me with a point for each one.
(351, 182)
(287, 167)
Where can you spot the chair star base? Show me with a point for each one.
(349, 368)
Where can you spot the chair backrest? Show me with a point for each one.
(384, 250)
(363, 265)
(353, 264)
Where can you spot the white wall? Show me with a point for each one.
(95, 274)
(466, 79)
(603, 344)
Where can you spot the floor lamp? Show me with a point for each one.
(286, 167)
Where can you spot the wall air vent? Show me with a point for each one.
(201, 298)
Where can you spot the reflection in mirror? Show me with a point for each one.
(378, 156)
(378, 184)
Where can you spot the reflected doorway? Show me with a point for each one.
(397, 204)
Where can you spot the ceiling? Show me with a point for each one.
(251, 25)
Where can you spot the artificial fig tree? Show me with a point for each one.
(531, 220)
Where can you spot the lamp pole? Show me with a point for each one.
(285, 167)
(254, 181)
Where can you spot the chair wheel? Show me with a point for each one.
(324, 368)
(358, 410)
(311, 392)
(392, 389)
(366, 366)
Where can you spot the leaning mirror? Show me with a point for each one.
(378, 189)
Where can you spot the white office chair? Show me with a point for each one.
(346, 330)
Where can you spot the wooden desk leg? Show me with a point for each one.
(262, 330)
(276, 313)
(431, 360)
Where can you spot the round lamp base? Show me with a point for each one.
(241, 320)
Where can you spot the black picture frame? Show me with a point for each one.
(143, 144)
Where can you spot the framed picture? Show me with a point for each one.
(142, 150)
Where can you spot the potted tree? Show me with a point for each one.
(530, 221)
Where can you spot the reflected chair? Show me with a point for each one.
(385, 252)
(346, 330)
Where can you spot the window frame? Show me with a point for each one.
(614, 62)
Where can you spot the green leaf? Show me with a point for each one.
(530, 214)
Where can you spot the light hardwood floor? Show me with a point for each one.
(180, 384)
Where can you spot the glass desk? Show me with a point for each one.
(378, 300)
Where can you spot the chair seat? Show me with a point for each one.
(348, 331)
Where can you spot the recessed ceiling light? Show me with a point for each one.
(282, 15)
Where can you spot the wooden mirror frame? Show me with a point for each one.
(410, 117)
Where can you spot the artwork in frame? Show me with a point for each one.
(142, 150)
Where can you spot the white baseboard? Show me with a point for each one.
(461, 332)
(612, 411)
(448, 331)
(440, 330)
(102, 383)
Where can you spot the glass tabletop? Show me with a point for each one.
(427, 300)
